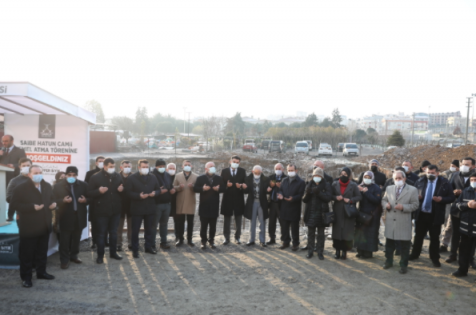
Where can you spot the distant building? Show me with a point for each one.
(442, 118)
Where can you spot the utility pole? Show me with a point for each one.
(467, 122)
(413, 127)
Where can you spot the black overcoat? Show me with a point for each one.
(233, 201)
(69, 219)
(209, 206)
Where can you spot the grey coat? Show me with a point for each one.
(398, 224)
(343, 228)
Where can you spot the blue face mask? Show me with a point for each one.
(37, 178)
(71, 180)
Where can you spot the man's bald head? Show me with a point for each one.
(7, 141)
(319, 164)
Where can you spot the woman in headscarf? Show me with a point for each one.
(344, 191)
(366, 235)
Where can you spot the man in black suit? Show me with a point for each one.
(290, 194)
(436, 193)
(105, 190)
(34, 200)
(94, 229)
(142, 187)
(408, 166)
(274, 203)
(24, 165)
(233, 202)
(209, 186)
(10, 155)
(126, 168)
(70, 194)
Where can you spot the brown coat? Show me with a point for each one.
(186, 198)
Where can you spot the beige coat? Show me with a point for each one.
(186, 199)
(398, 224)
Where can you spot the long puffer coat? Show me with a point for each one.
(317, 198)
(366, 236)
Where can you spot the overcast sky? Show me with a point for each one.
(255, 57)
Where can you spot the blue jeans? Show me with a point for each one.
(161, 221)
(257, 214)
(107, 225)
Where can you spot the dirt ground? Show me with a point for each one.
(237, 279)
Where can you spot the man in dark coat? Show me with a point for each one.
(94, 229)
(24, 165)
(34, 201)
(233, 201)
(105, 190)
(290, 194)
(10, 155)
(163, 202)
(274, 203)
(379, 177)
(257, 204)
(436, 193)
(466, 204)
(422, 170)
(126, 168)
(408, 166)
(70, 194)
(209, 186)
(317, 196)
(142, 188)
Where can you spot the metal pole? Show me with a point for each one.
(467, 122)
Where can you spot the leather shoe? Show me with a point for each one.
(164, 246)
(100, 260)
(436, 263)
(203, 246)
(320, 256)
(250, 243)
(179, 243)
(212, 246)
(151, 251)
(295, 248)
(190, 243)
(27, 284)
(344, 255)
(337, 254)
(450, 259)
(412, 257)
(443, 249)
(263, 245)
(403, 271)
(387, 266)
(459, 274)
(76, 260)
(119, 248)
(237, 240)
(135, 254)
(65, 265)
(226, 242)
(116, 257)
(304, 248)
(45, 276)
(284, 246)
(271, 242)
(309, 255)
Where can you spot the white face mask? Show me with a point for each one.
(187, 168)
(291, 174)
(453, 169)
(25, 170)
(144, 171)
(101, 164)
(464, 169)
(111, 170)
(406, 169)
(367, 181)
(234, 165)
(126, 170)
(161, 169)
(256, 176)
(473, 184)
(212, 170)
(399, 183)
(278, 172)
(172, 172)
(316, 179)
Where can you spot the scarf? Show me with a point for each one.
(343, 186)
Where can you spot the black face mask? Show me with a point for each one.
(344, 178)
(431, 177)
(374, 168)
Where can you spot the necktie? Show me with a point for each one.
(74, 199)
(399, 191)
(233, 173)
(429, 198)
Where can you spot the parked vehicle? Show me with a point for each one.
(277, 146)
(249, 141)
(309, 142)
(301, 147)
(250, 147)
(265, 144)
(340, 147)
(390, 148)
(324, 149)
(350, 149)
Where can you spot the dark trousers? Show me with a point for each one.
(390, 249)
(273, 218)
(33, 250)
(311, 238)
(69, 244)
(95, 230)
(205, 224)
(227, 226)
(105, 225)
(179, 221)
(466, 251)
(294, 232)
(149, 227)
(423, 225)
(455, 236)
(11, 212)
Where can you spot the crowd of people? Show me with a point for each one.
(427, 198)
